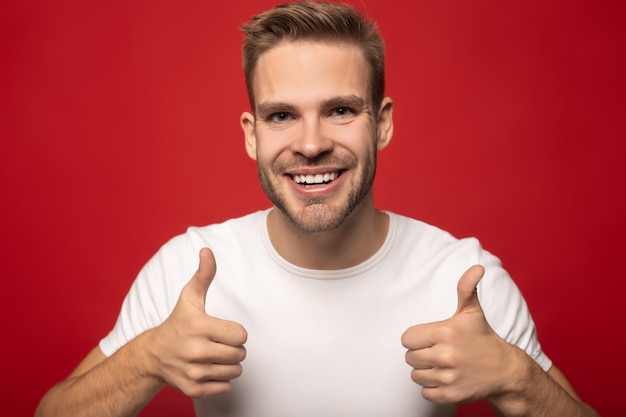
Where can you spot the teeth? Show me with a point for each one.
(315, 179)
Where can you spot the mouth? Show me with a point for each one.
(315, 179)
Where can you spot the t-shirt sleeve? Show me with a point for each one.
(506, 310)
(153, 294)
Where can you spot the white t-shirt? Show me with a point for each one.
(325, 343)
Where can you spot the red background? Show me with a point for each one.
(119, 128)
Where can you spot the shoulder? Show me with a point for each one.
(178, 257)
(239, 229)
(429, 241)
(443, 256)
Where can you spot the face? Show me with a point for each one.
(314, 136)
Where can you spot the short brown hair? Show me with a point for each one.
(315, 21)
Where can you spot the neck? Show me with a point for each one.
(356, 240)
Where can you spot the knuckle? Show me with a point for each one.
(194, 373)
(445, 334)
(436, 395)
(447, 378)
(445, 358)
(208, 389)
(442, 395)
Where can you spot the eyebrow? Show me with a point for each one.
(271, 107)
(352, 101)
(274, 107)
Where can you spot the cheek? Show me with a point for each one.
(358, 140)
(268, 147)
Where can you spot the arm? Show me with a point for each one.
(534, 392)
(191, 351)
(103, 386)
(462, 360)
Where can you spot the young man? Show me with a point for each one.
(331, 297)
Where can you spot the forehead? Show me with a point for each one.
(304, 71)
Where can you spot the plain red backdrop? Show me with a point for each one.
(119, 128)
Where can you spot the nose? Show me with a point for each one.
(311, 140)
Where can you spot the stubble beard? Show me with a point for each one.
(318, 215)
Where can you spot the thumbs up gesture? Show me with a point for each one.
(460, 359)
(196, 353)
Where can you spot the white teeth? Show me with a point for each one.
(315, 179)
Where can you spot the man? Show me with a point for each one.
(331, 297)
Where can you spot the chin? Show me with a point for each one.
(318, 218)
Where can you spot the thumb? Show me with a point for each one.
(199, 284)
(467, 289)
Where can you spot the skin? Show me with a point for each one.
(313, 117)
(462, 359)
(191, 351)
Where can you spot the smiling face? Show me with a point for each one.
(314, 136)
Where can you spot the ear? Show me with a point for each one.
(385, 123)
(247, 124)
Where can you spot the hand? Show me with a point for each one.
(460, 359)
(196, 353)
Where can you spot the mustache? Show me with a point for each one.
(300, 161)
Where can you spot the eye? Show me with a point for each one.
(343, 112)
(279, 117)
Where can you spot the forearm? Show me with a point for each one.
(119, 386)
(534, 392)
